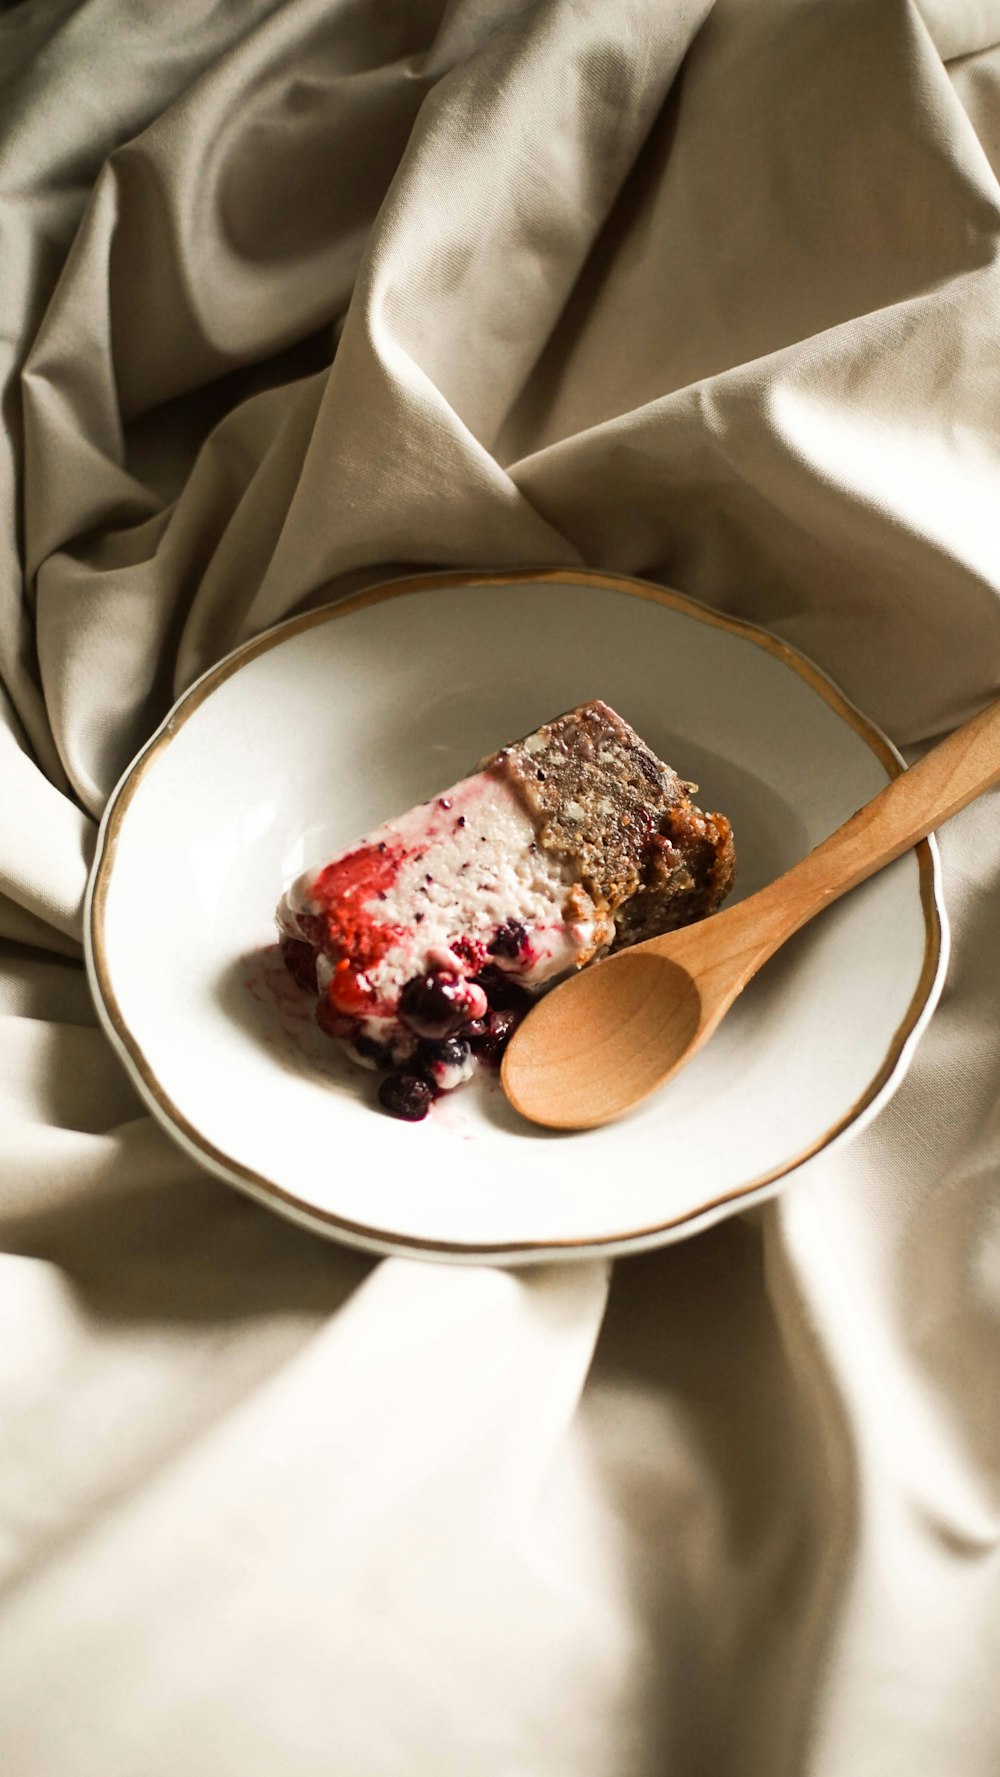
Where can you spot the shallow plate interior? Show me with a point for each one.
(334, 722)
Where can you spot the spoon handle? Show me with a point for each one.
(951, 775)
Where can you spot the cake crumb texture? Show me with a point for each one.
(621, 821)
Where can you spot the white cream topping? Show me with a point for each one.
(476, 867)
(474, 878)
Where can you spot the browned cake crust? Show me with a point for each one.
(622, 821)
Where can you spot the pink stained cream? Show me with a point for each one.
(426, 940)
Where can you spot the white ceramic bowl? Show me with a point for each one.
(313, 733)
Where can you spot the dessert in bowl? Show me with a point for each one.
(426, 941)
(309, 736)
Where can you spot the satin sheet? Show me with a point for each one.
(296, 296)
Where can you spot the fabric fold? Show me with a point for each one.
(298, 297)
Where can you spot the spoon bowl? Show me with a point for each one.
(608, 1037)
(644, 1007)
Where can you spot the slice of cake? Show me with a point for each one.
(427, 940)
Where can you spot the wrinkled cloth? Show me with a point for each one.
(296, 297)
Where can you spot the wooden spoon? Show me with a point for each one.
(607, 1037)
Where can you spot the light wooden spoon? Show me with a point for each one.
(609, 1036)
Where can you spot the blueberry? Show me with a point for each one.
(510, 939)
(434, 1005)
(406, 1095)
(500, 1027)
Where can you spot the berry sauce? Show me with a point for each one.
(468, 1009)
(352, 936)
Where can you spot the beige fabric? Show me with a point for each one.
(297, 295)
